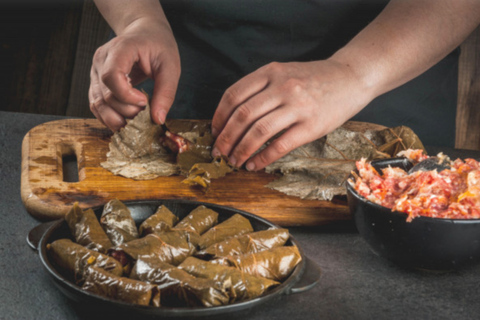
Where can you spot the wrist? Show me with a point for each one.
(367, 78)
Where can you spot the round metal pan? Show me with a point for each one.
(305, 275)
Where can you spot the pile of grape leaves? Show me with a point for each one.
(316, 171)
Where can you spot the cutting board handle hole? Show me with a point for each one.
(69, 164)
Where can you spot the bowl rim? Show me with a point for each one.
(382, 163)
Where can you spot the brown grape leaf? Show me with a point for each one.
(318, 170)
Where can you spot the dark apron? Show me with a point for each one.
(220, 41)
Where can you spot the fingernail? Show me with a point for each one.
(142, 103)
(161, 116)
(232, 161)
(214, 132)
(216, 152)
(250, 166)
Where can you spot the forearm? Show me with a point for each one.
(406, 39)
(120, 14)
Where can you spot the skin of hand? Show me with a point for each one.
(306, 99)
(301, 102)
(144, 47)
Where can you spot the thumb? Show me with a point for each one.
(164, 90)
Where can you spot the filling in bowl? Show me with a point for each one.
(451, 193)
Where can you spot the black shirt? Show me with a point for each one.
(220, 41)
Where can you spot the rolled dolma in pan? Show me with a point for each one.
(100, 282)
(118, 223)
(168, 247)
(199, 220)
(239, 285)
(247, 243)
(233, 226)
(162, 220)
(86, 229)
(276, 264)
(73, 259)
(177, 287)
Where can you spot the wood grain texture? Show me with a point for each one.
(46, 196)
(468, 107)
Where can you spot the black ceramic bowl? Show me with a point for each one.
(424, 243)
(305, 275)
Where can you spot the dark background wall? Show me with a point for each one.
(46, 49)
(45, 55)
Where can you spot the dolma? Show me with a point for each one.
(233, 226)
(239, 285)
(247, 243)
(162, 220)
(86, 229)
(169, 247)
(199, 220)
(177, 287)
(73, 259)
(100, 282)
(276, 264)
(118, 223)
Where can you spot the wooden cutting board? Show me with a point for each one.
(47, 196)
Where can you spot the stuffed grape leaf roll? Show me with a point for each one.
(169, 247)
(239, 285)
(86, 229)
(73, 259)
(198, 220)
(276, 264)
(162, 220)
(247, 243)
(118, 223)
(236, 225)
(177, 287)
(100, 282)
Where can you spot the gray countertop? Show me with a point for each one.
(355, 283)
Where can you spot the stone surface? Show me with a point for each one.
(355, 283)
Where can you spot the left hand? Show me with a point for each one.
(303, 100)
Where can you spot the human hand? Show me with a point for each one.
(305, 100)
(146, 48)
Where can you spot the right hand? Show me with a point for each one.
(145, 48)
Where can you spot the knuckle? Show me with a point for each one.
(99, 55)
(108, 97)
(106, 76)
(274, 67)
(263, 128)
(281, 146)
(93, 107)
(243, 113)
(294, 85)
(168, 94)
(231, 96)
(224, 139)
(262, 158)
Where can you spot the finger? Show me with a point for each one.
(242, 119)
(93, 108)
(260, 132)
(124, 109)
(114, 75)
(164, 91)
(293, 138)
(234, 96)
(98, 92)
(112, 119)
(94, 94)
